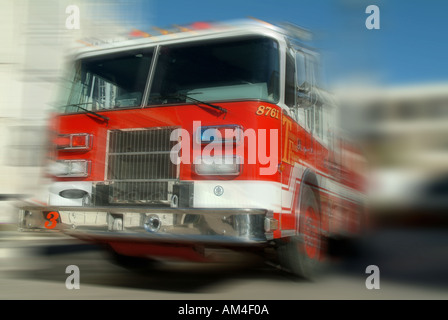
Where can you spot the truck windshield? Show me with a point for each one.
(109, 81)
(218, 70)
(211, 70)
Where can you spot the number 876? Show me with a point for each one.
(267, 111)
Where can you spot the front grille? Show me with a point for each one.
(139, 168)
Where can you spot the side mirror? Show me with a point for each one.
(303, 95)
(304, 88)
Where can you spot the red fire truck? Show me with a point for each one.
(216, 136)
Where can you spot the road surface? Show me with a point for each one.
(413, 264)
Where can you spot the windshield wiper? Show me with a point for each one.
(185, 96)
(223, 110)
(78, 105)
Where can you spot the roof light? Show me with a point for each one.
(201, 25)
(138, 33)
(181, 28)
(162, 31)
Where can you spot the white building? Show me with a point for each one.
(404, 131)
(36, 38)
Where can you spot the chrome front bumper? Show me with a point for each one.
(161, 225)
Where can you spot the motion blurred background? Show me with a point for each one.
(392, 84)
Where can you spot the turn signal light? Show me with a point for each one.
(74, 142)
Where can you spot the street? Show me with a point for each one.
(413, 264)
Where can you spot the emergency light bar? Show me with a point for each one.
(286, 28)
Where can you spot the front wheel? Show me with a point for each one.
(303, 254)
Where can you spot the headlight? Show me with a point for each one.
(70, 168)
(218, 165)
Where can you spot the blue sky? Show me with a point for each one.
(409, 47)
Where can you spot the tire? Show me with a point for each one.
(303, 254)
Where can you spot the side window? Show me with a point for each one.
(300, 69)
(311, 68)
(317, 103)
(328, 124)
(305, 112)
(301, 112)
(309, 118)
(318, 120)
(309, 110)
(290, 85)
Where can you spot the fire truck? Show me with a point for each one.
(209, 137)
